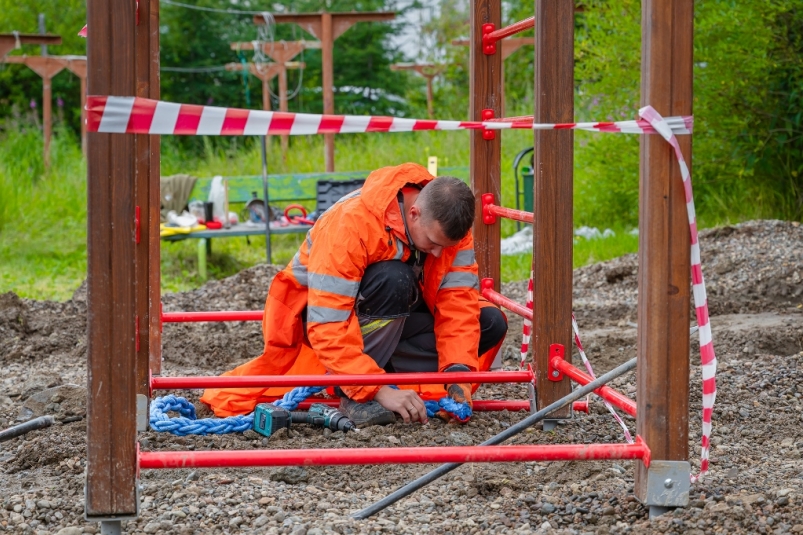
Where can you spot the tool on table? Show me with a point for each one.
(269, 418)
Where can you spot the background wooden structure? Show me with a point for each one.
(327, 27)
(429, 71)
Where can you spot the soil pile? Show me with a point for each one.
(753, 274)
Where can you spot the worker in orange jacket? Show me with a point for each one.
(386, 281)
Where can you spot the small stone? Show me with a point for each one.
(280, 516)
(797, 528)
(150, 527)
(290, 474)
(744, 413)
(264, 501)
(313, 490)
(547, 508)
(261, 521)
(732, 473)
(753, 498)
(784, 500)
(236, 521)
(461, 439)
(393, 440)
(43, 504)
(193, 476)
(299, 530)
(608, 511)
(784, 492)
(314, 531)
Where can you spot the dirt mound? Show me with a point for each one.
(753, 274)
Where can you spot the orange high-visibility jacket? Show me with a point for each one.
(362, 228)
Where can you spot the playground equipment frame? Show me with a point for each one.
(124, 327)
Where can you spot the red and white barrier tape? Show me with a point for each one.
(707, 357)
(590, 371)
(134, 115)
(528, 325)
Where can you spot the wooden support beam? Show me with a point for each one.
(327, 27)
(111, 275)
(429, 71)
(149, 354)
(10, 41)
(485, 158)
(664, 248)
(552, 193)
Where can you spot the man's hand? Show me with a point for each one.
(406, 403)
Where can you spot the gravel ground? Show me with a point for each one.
(753, 273)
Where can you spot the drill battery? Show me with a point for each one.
(269, 418)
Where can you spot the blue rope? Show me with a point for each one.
(461, 411)
(188, 424)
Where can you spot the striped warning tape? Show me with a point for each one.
(135, 115)
(708, 358)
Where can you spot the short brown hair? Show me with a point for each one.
(450, 202)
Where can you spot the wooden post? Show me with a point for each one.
(485, 158)
(327, 27)
(77, 65)
(664, 248)
(327, 64)
(149, 354)
(9, 41)
(552, 193)
(111, 275)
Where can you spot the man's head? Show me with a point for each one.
(441, 215)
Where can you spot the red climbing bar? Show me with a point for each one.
(498, 299)
(238, 315)
(250, 381)
(490, 211)
(605, 392)
(364, 456)
(478, 405)
(492, 37)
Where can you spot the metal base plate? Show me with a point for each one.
(668, 484)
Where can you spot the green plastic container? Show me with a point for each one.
(527, 188)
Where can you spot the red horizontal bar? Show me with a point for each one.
(363, 456)
(479, 405)
(507, 31)
(250, 381)
(239, 315)
(605, 392)
(510, 213)
(499, 299)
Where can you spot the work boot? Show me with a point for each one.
(368, 413)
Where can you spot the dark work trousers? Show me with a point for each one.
(398, 329)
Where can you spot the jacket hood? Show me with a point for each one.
(382, 185)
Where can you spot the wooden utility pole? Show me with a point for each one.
(485, 100)
(327, 27)
(664, 257)
(428, 71)
(112, 283)
(509, 45)
(47, 67)
(552, 194)
(10, 41)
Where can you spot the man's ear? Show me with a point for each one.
(415, 212)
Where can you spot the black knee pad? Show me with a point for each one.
(493, 328)
(388, 290)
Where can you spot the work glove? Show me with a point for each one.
(460, 394)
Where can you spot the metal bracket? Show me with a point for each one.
(668, 484)
(554, 374)
(531, 391)
(488, 114)
(487, 217)
(142, 412)
(488, 45)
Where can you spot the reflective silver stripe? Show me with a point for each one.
(335, 285)
(299, 270)
(399, 250)
(464, 258)
(326, 314)
(459, 279)
(309, 240)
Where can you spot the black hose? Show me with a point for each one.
(30, 425)
(513, 430)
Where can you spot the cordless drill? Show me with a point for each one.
(269, 418)
(324, 416)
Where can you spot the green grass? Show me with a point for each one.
(43, 212)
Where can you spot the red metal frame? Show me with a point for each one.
(491, 210)
(617, 399)
(364, 456)
(490, 35)
(249, 381)
(231, 315)
(496, 298)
